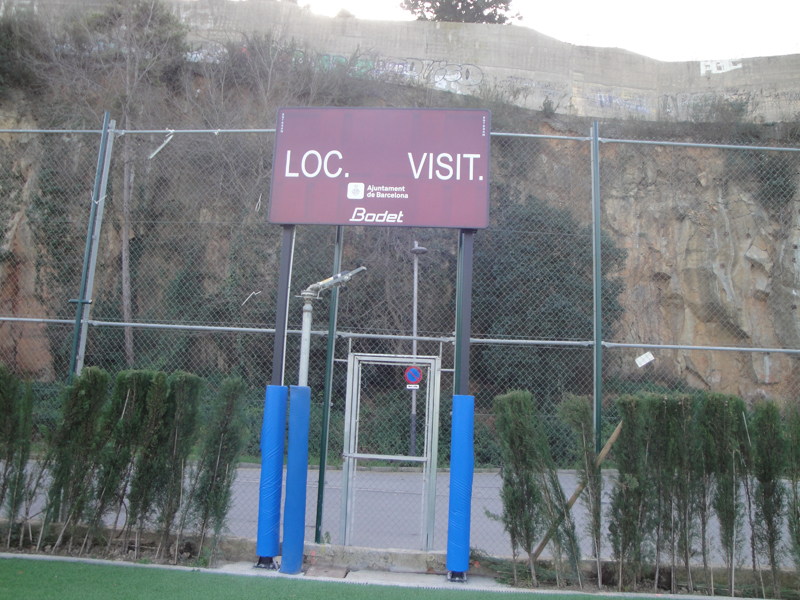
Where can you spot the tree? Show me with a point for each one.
(722, 419)
(576, 411)
(138, 42)
(793, 476)
(20, 38)
(16, 428)
(216, 468)
(76, 450)
(687, 458)
(662, 478)
(461, 11)
(122, 425)
(184, 391)
(769, 466)
(150, 472)
(628, 514)
(523, 512)
(538, 260)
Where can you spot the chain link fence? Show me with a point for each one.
(699, 268)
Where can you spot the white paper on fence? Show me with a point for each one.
(644, 359)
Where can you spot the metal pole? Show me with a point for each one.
(598, 304)
(81, 300)
(308, 295)
(416, 251)
(305, 335)
(413, 451)
(282, 313)
(326, 397)
(98, 226)
(463, 312)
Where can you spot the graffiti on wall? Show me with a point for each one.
(700, 106)
(628, 103)
(703, 106)
(712, 67)
(436, 72)
(439, 73)
(544, 94)
(555, 86)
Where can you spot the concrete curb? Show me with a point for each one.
(371, 559)
(257, 466)
(352, 557)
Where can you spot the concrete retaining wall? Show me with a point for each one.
(460, 57)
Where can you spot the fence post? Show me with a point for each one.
(597, 280)
(98, 227)
(462, 469)
(294, 503)
(282, 314)
(82, 301)
(463, 312)
(273, 436)
(326, 397)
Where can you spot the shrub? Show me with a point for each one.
(793, 474)
(122, 425)
(523, 511)
(184, 395)
(725, 445)
(16, 428)
(76, 449)
(769, 462)
(222, 442)
(577, 412)
(629, 498)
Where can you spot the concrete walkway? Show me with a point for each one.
(417, 580)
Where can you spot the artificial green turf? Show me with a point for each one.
(25, 579)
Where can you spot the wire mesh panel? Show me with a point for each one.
(533, 286)
(46, 183)
(699, 252)
(711, 242)
(386, 412)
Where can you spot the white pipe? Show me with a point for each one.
(305, 336)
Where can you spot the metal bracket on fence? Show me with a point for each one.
(166, 141)
(394, 457)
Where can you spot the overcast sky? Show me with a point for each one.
(675, 30)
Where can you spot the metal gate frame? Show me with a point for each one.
(350, 452)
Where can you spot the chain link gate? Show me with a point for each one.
(374, 381)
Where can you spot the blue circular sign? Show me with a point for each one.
(413, 375)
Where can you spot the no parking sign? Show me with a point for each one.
(412, 375)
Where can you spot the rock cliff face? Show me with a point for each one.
(707, 265)
(25, 346)
(710, 261)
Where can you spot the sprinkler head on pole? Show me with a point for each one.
(417, 249)
(331, 282)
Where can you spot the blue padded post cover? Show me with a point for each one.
(462, 467)
(273, 434)
(294, 507)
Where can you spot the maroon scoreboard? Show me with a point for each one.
(384, 167)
